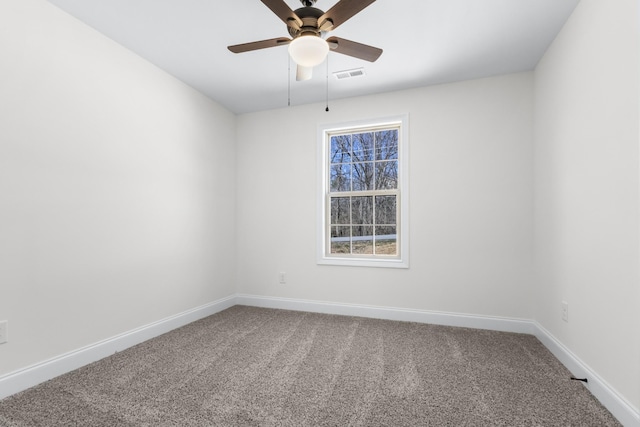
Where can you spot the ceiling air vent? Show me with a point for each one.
(346, 74)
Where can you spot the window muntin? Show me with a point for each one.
(362, 218)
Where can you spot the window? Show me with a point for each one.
(362, 195)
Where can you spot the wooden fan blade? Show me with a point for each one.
(284, 12)
(357, 50)
(262, 44)
(342, 11)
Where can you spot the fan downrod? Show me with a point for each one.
(308, 3)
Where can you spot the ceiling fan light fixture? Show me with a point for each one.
(308, 50)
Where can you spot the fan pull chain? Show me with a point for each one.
(327, 60)
(288, 80)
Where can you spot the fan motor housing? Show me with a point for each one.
(309, 16)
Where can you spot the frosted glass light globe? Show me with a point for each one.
(308, 51)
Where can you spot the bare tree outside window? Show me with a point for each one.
(363, 192)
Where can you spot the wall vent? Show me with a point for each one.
(347, 74)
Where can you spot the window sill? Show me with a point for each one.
(363, 262)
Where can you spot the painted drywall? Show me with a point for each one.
(586, 191)
(470, 201)
(117, 188)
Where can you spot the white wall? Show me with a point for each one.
(586, 191)
(117, 188)
(470, 201)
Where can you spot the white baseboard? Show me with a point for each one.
(28, 377)
(503, 324)
(25, 378)
(621, 409)
(607, 395)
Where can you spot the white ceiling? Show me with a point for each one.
(425, 42)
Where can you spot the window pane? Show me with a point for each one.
(362, 210)
(340, 210)
(362, 176)
(363, 149)
(386, 210)
(362, 239)
(387, 145)
(340, 149)
(341, 240)
(386, 241)
(361, 195)
(386, 175)
(340, 177)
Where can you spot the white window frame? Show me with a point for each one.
(402, 260)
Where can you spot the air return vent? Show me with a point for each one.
(347, 74)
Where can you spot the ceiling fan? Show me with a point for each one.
(307, 27)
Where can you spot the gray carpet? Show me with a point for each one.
(251, 366)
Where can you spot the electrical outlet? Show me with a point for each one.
(282, 277)
(4, 331)
(565, 311)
